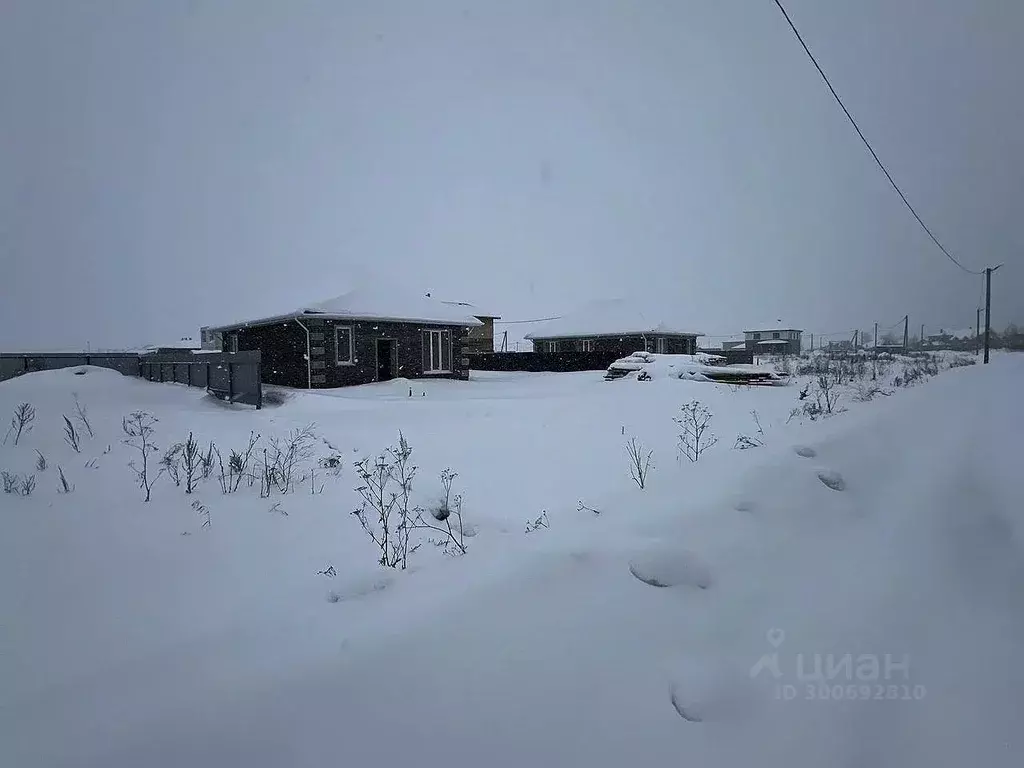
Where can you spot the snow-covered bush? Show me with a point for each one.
(696, 437)
(18, 485)
(40, 461)
(962, 361)
(538, 523)
(639, 461)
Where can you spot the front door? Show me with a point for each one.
(385, 359)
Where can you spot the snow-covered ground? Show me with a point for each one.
(134, 636)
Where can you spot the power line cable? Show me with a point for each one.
(519, 322)
(867, 144)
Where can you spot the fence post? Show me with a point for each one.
(189, 369)
(231, 382)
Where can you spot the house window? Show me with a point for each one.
(343, 344)
(437, 352)
(549, 346)
(661, 345)
(586, 345)
(776, 335)
(233, 342)
(756, 336)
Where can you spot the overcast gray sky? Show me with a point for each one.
(166, 164)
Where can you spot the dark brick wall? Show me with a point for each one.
(621, 346)
(284, 347)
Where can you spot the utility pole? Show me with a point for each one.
(977, 332)
(812, 342)
(922, 335)
(988, 304)
(876, 335)
(906, 332)
(856, 339)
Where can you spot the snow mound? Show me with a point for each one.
(699, 367)
(805, 451)
(670, 568)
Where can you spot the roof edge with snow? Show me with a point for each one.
(631, 332)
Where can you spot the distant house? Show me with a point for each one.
(616, 327)
(480, 339)
(359, 337)
(182, 344)
(773, 339)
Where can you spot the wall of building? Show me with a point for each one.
(480, 339)
(622, 346)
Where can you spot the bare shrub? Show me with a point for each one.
(581, 507)
(138, 430)
(290, 454)
(744, 442)
(238, 464)
(63, 485)
(538, 523)
(866, 392)
(639, 461)
(82, 415)
(206, 462)
(204, 512)
(191, 460)
(696, 437)
(71, 435)
(11, 482)
(170, 463)
(21, 422)
(27, 485)
(827, 393)
(454, 540)
(40, 461)
(385, 490)
(962, 361)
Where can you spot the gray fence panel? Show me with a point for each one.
(234, 376)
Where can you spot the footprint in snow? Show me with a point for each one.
(805, 451)
(832, 479)
(670, 568)
(687, 710)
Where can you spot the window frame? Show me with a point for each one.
(586, 345)
(660, 345)
(437, 367)
(351, 345)
(233, 342)
(776, 334)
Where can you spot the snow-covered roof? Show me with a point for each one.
(772, 342)
(778, 325)
(614, 317)
(472, 309)
(379, 303)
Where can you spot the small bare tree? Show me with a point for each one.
(40, 461)
(21, 422)
(639, 462)
(696, 437)
(83, 416)
(138, 431)
(10, 481)
(386, 489)
(206, 462)
(71, 435)
(455, 540)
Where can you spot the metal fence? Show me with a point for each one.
(232, 376)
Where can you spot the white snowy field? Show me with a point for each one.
(134, 636)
